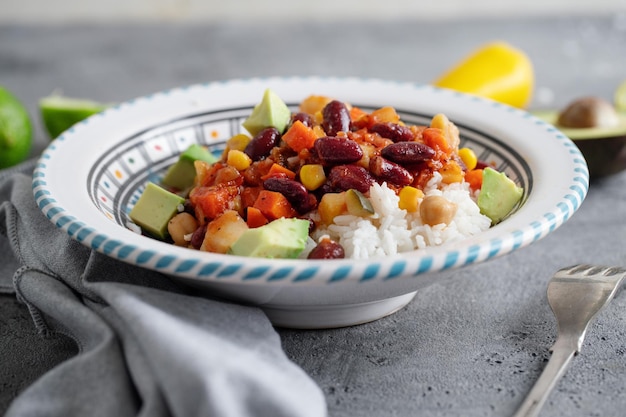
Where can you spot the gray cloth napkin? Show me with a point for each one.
(146, 347)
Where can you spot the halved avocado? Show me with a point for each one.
(604, 146)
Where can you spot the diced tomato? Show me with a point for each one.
(249, 196)
(212, 201)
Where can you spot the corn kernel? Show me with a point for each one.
(468, 157)
(312, 176)
(409, 198)
(318, 117)
(319, 132)
(440, 121)
(238, 142)
(238, 160)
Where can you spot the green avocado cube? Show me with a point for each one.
(154, 209)
(498, 195)
(270, 112)
(182, 173)
(281, 238)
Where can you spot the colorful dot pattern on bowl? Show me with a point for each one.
(119, 177)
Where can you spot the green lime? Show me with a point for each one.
(59, 113)
(16, 130)
(620, 97)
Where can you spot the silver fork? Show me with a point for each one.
(576, 294)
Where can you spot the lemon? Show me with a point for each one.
(620, 97)
(16, 130)
(59, 113)
(495, 70)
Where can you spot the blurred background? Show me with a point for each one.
(65, 11)
(119, 49)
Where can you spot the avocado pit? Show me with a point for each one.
(598, 130)
(589, 112)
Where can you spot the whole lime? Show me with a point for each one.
(16, 130)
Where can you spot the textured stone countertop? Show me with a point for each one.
(472, 344)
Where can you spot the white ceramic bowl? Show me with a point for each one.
(88, 179)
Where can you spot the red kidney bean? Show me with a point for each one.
(345, 177)
(393, 131)
(327, 249)
(337, 150)
(336, 118)
(188, 207)
(295, 192)
(198, 236)
(390, 171)
(262, 143)
(407, 152)
(305, 118)
(481, 165)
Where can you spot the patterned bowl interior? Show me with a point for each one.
(118, 179)
(135, 142)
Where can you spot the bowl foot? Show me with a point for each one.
(332, 316)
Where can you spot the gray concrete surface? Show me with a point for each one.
(470, 345)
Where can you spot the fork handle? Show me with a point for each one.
(562, 354)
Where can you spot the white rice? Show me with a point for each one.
(392, 230)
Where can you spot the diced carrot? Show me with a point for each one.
(356, 113)
(274, 205)
(213, 201)
(277, 170)
(474, 178)
(435, 138)
(254, 217)
(299, 136)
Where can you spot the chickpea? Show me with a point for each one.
(180, 225)
(435, 210)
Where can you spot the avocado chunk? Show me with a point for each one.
(181, 174)
(270, 112)
(154, 209)
(498, 195)
(281, 238)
